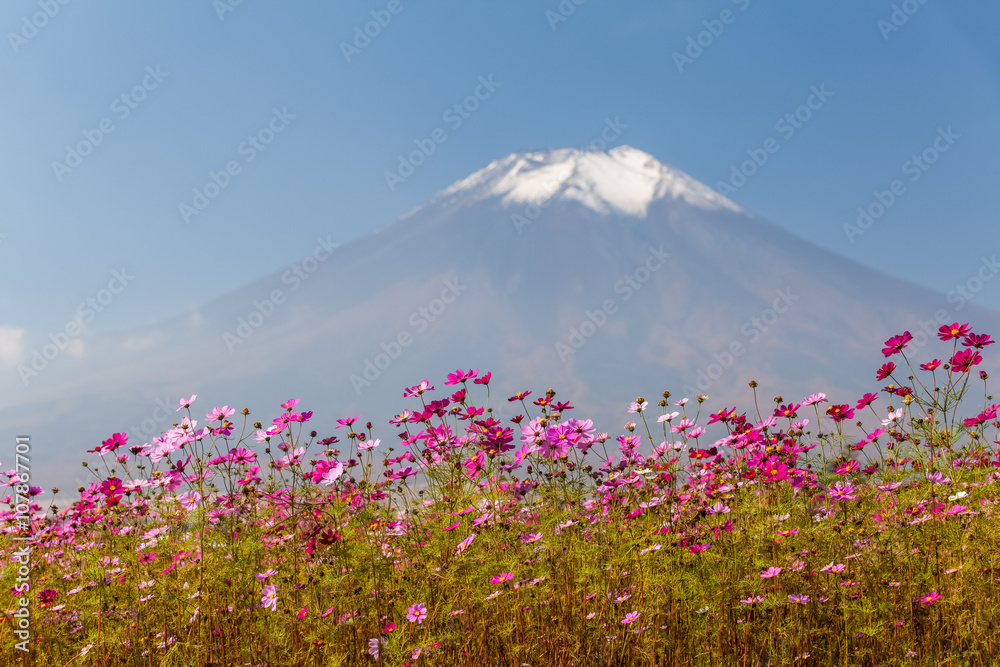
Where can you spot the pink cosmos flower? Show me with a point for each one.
(417, 390)
(369, 444)
(770, 572)
(814, 398)
(241, 455)
(332, 474)
(459, 376)
(798, 599)
(417, 613)
(930, 365)
(629, 617)
(270, 598)
(186, 402)
(502, 577)
(346, 422)
(841, 491)
(189, 500)
(220, 414)
(683, 425)
(531, 537)
(464, 544)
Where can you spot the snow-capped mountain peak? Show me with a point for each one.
(623, 181)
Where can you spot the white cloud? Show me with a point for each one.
(143, 342)
(11, 345)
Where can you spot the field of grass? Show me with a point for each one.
(797, 533)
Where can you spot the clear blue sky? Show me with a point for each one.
(220, 79)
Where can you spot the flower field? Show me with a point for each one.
(792, 532)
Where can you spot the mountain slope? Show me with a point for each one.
(603, 275)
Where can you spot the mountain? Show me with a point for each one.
(604, 275)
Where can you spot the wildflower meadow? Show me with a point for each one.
(792, 532)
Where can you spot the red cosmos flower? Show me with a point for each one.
(485, 379)
(519, 396)
(699, 454)
(839, 413)
(949, 331)
(885, 371)
(964, 360)
(896, 344)
(46, 597)
(930, 365)
(977, 340)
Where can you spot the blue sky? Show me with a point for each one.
(209, 79)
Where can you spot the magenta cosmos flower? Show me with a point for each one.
(930, 598)
(896, 344)
(956, 330)
(417, 613)
(558, 441)
(770, 572)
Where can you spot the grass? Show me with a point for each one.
(782, 541)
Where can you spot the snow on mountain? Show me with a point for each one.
(602, 275)
(624, 181)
